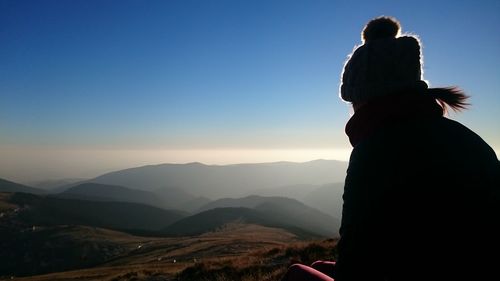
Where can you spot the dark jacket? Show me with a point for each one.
(421, 196)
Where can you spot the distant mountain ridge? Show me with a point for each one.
(217, 181)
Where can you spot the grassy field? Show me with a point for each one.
(238, 252)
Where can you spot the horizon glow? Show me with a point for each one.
(42, 165)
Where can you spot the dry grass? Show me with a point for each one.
(265, 264)
(244, 252)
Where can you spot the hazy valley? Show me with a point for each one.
(164, 220)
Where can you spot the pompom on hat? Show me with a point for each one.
(386, 63)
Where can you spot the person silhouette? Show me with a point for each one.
(421, 195)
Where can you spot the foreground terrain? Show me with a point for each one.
(247, 261)
(237, 247)
(237, 252)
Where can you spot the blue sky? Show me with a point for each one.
(97, 77)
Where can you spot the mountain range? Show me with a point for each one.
(218, 181)
(322, 219)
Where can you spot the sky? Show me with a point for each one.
(91, 86)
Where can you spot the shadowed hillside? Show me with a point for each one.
(35, 250)
(38, 210)
(265, 214)
(8, 186)
(327, 197)
(166, 198)
(280, 209)
(218, 219)
(104, 192)
(301, 216)
(214, 219)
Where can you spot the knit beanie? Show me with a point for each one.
(386, 63)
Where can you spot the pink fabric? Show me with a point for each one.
(325, 267)
(318, 271)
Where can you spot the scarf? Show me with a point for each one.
(390, 110)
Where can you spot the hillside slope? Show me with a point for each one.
(9, 186)
(37, 210)
(284, 210)
(29, 251)
(105, 192)
(268, 215)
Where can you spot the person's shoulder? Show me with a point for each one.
(454, 125)
(456, 129)
(438, 134)
(456, 133)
